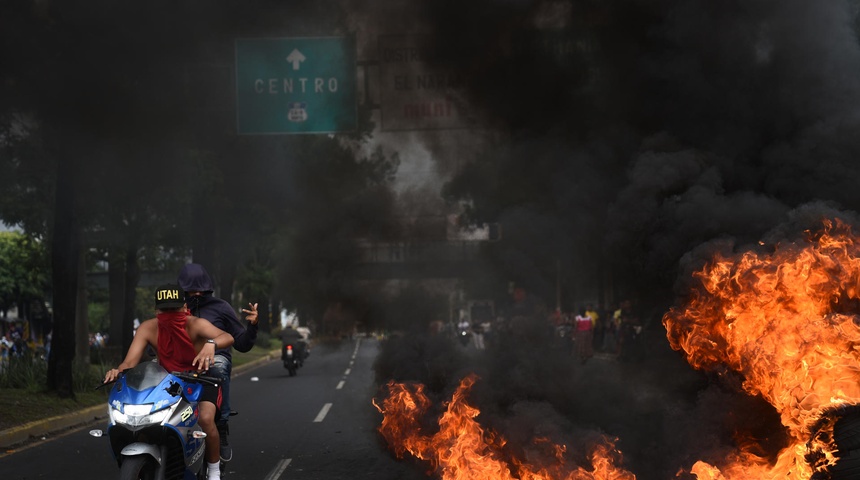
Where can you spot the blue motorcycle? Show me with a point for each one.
(153, 428)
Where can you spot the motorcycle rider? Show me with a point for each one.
(290, 335)
(197, 284)
(183, 342)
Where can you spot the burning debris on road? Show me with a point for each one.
(781, 317)
(785, 318)
(463, 449)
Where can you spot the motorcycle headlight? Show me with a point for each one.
(137, 415)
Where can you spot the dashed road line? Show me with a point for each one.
(279, 469)
(351, 363)
(323, 413)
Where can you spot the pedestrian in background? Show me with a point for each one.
(610, 334)
(478, 335)
(596, 324)
(583, 332)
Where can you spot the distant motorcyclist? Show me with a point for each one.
(197, 283)
(290, 335)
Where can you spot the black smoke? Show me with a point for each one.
(672, 129)
(620, 138)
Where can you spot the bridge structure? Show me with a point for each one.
(443, 259)
(377, 261)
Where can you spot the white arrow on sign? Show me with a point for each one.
(296, 58)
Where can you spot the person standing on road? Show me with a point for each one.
(596, 324)
(197, 284)
(583, 331)
(182, 343)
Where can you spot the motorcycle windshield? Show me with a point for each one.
(145, 376)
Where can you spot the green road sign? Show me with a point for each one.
(295, 85)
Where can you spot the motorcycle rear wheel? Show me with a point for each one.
(140, 467)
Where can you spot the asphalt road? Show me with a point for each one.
(317, 425)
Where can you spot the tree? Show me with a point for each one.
(85, 125)
(24, 275)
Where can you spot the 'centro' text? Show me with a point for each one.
(275, 86)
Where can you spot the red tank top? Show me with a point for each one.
(583, 323)
(175, 350)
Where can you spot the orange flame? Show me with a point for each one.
(783, 321)
(463, 450)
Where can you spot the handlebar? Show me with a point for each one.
(195, 377)
(188, 376)
(102, 385)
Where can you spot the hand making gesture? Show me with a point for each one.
(251, 313)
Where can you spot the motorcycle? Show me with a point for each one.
(153, 424)
(464, 335)
(292, 354)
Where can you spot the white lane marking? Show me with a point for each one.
(345, 374)
(357, 344)
(279, 469)
(323, 413)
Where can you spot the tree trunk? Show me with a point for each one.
(82, 323)
(65, 247)
(116, 293)
(132, 277)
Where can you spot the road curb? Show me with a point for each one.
(41, 428)
(21, 434)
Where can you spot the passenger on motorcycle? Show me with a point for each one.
(198, 287)
(183, 343)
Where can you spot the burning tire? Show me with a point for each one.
(846, 432)
(847, 467)
(846, 437)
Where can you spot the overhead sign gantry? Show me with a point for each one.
(295, 85)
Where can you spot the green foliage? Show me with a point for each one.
(30, 373)
(264, 340)
(144, 308)
(98, 315)
(24, 273)
(86, 377)
(23, 372)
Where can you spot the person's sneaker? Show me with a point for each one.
(226, 450)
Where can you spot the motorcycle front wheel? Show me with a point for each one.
(141, 467)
